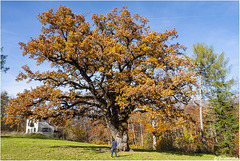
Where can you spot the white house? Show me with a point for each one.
(42, 126)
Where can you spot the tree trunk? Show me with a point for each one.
(134, 141)
(201, 120)
(154, 135)
(141, 131)
(120, 135)
(154, 142)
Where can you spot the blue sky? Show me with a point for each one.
(215, 23)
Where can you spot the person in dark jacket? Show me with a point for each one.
(114, 148)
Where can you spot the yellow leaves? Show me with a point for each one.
(46, 17)
(143, 20)
(21, 76)
(63, 19)
(101, 69)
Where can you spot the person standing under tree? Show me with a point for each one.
(114, 148)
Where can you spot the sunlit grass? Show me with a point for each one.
(36, 147)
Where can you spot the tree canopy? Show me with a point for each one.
(107, 69)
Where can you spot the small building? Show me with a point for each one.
(42, 127)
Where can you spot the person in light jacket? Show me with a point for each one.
(114, 148)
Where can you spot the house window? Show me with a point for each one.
(28, 130)
(34, 129)
(31, 124)
(45, 130)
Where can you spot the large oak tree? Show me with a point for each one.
(108, 69)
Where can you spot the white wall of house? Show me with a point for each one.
(31, 126)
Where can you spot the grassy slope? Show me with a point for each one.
(25, 147)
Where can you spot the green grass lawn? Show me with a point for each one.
(36, 147)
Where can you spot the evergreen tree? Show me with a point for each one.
(223, 112)
(4, 102)
(3, 61)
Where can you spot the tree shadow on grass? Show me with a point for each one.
(99, 149)
(169, 152)
(5, 136)
(27, 136)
